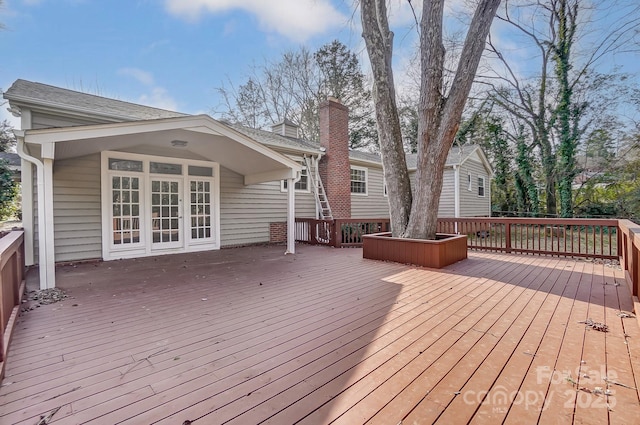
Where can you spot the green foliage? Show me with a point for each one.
(7, 138)
(8, 193)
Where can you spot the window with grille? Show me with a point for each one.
(359, 180)
(480, 186)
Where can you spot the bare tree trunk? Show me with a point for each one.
(439, 116)
(379, 41)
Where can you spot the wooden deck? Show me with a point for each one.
(250, 336)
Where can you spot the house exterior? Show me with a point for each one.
(110, 179)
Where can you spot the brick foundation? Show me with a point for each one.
(278, 232)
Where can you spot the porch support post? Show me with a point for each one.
(291, 215)
(47, 263)
(26, 179)
(456, 194)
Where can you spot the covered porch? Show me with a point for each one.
(135, 189)
(250, 336)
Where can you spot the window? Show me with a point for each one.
(481, 186)
(359, 180)
(469, 182)
(301, 185)
(384, 187)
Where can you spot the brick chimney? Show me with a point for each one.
(334, 167)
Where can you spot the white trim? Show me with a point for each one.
(307, 190)
(145, 247)
(469, 183)
(366, 180)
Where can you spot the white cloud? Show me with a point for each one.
(156, 96)
(159, 97)
(143, 77)
(295, 19)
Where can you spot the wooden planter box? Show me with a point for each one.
(446, 250)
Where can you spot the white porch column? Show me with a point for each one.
(291, 217)
(26, 177)
(47, 262)
(456, 194)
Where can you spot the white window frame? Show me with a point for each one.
(469, 186)
(366, 180)
(144, 248)
(384, 187)
(483, 186)
(305, 173)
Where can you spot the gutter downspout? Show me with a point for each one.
(456, 194)
(317, 177)
(47, 272)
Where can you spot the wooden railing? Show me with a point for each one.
(11, 287)
(608, 239)
(629, 248)
(594, 238)
(340, 232)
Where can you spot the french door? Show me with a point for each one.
(166, 213)
(157, 205)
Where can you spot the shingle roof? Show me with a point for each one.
(51, 96)
(457, 155)
(46, 95)
(274, 139)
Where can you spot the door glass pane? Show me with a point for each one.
(165, 210)
(125, 165)
(200, 209)
(165, 168)
(125, 210)
(200, 171)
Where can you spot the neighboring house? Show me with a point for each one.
(111, 179)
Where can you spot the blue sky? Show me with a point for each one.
(170, 54)
(174, 53)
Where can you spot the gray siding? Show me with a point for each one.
(447, 207)
(77, 208)
(374, 204)
(246, 211)
(472, 205)
(40, 120)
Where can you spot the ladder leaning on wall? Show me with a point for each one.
(324, 209)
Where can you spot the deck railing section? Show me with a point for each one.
(629, 248)
(12, 269)
(338, 232)
(595, 238)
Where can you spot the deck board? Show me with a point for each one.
(251, 336)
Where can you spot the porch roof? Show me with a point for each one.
(192, 137)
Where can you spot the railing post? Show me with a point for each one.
(634, 269)
(507, 237)
(338, 232)
(313, 234)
